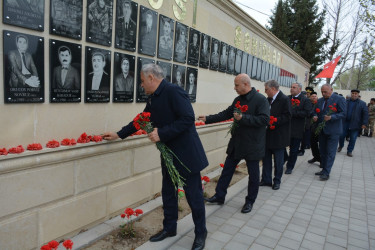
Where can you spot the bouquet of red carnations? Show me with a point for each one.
(238, 109)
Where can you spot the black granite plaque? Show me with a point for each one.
(180, 43)
(231, 59)
(223, 57)
(66, 18)
(99, 22)
(65, 71)
(123, 80)
(147, 30)
(259, 69)
(215, 54)
(191, 83)
(254, 68)
(24, 13)
(249, 65)
(141, 95)
(23, 68)
(244, 62)
(98, 75)
(204, 59)
(126, 25)
(237, 65)
(194, 44)
(166, 29)
(167, 70)
(179, 75)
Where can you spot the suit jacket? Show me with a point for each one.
(17, 79)
(359, 115)
(248, 140)
(72, 79)
(173, 115)
(148, 40)
(124, 84)
(104, 82)
(333, 126)
(279, 137)
(126, 37)
(299, 116)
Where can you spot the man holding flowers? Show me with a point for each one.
(329, 113)
(250, 111)
(172, 117)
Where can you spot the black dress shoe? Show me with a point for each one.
(349, 154)
(300, 153)
(312, 160)
(265, 184)
(199, 241)
(214, 201)
(276, 186)
(288, 171)
(319, 173)
(162, 235)
(247, 208)
(324, 177)
(339, 149)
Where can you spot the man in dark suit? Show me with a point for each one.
(174, 126)
(123, 81)
(314, 139)
(98, 79)
(65, 76)
(277, 136)
(148, 36)
(23, 72)
(329, 135)
(301, 108)
(247, 139)
(356, 120)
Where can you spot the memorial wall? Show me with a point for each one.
(72, 66)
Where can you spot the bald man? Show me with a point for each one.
(247, 139)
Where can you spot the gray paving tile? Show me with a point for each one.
(359, 243)
(215, 220)
(307, 244)
(317, 230)
(214, 244)
(259, 247)
(338, 233)
(235, 222)
(236, 245)
(253, 232)
(289, 243)
(330, 246)
(243, 238)
(315, 238)
(266, 241)
(220, 236)
(229, 229)
(336, 240)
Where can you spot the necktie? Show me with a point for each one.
(270, 99)
(325, 103)
(126, 25)
(23, 58)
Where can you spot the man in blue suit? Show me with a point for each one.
(173, 119)
(329, 135)
(356, 120)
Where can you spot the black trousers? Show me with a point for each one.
(315, 145)
(194, 195)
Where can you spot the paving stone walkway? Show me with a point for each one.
(305, 213)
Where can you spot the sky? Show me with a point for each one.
(254, 7)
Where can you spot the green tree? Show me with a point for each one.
(304, 32)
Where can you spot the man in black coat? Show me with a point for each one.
(172, 117)
(301, 108)
(277, 136)
(247, 141)
(314, 139)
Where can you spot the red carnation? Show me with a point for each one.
(3, 151)
(138, 212)
(244, 108)
(317, 110)
(237, 105)
(68, 244)
(53, 244)
(272, 127)
(83, 138)
(129, 212)
(45, 247)
(68, 142)
(97, 138)
(205, 178)
(221, 165)
(34, 146)
(53, 144)
(16, 150)
(123, 215)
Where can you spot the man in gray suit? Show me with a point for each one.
(65, 76)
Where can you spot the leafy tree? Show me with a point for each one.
(304, 33)
(369, 15)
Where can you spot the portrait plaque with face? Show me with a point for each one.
(194, 44)
(23, 68)
(249, 65)
(24, 13)
(141, 95)
(147, 30)
(180, 43)
(166, 30)
(99, 22)
(237, 65)
(231, 59)
(223, 57)
(244, 62)
(167, 70)
(126, 25)
(191, 83)
(204, 59)
(215, 54)
(123, 78)
(65, 71)
(178, 77)
(66, 18)
(254, 68)
(98, 75)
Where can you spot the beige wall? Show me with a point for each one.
(39, 123)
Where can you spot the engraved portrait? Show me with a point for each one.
(194, 44)
(126, 25)
(204, 59)
(147, 31)
(180, 45)
(66, 18)
(99, 22)
(166, 30)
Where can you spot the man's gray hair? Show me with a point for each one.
(272, 84)
(327, 85)
(299, 84)
(153, 69)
